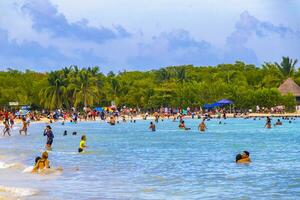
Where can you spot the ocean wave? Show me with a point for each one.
(18, 191)
(4, 165)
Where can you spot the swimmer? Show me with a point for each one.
(65, 133)
(278, 123)
(243, 158)
(152, 126)
(42, 163)
(202, 127)
(48, 132)
(82, 144)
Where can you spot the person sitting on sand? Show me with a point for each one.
(268, 123)
(278, 123)
(48, 132)
(42, 163)
(24, 128)
(182, 126)
(243, 158)
(202, 126)
(152, 126)
(82, 144)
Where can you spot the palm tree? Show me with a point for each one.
(55, 95)
(84, 87)
(181, 74)
(287, 66)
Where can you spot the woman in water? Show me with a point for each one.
(48, 132)
(24, 128)
(182, 126)
(202, 126)
(42, 163)
(268, 123)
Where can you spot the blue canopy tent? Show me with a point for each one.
(213, 105)
(98, 109)
(225, 102)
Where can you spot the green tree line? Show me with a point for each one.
(175, 86)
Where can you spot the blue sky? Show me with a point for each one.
(141, 34)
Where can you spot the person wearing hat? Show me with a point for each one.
(48, 132)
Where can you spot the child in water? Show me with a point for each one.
(82, 144)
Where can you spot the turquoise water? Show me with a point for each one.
(127, 161)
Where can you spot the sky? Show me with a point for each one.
(117, 35)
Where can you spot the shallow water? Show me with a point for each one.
(127, 161)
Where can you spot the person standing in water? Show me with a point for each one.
(202, 126)
(24, 128)
(268, 123)
(152, 126)
(82, 145)
(48, 132)
(6, 128)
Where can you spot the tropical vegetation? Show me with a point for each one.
(175, 86)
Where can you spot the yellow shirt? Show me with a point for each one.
(82, 144)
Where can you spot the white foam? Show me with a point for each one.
(4, 165)
(28, 169)
(18, 192)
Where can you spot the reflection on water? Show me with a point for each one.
(127, 161)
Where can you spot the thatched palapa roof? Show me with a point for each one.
(289, 86)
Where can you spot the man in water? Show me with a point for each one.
(243, 158)
(202, 126)
(24, 128)
(42, 163)
(48, 132)
(82, 144)
(152, 126)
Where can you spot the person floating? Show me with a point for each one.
(82, 145)
(202, 127)
(243, 158)
(152, 126)
(48, 132)
(41, 163)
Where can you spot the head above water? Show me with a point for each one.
(48, 127)
(45, 155)
(246, 153)
(83, 137)
(238, 157)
